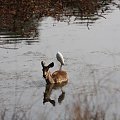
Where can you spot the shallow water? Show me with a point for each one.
(91, 59)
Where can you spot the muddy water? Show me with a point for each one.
(92, 60)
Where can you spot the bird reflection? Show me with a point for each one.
(48, 92)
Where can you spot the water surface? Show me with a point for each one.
(91, 56)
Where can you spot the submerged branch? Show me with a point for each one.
(8, 48)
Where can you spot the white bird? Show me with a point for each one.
(60, 58)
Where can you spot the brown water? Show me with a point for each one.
(92, 60)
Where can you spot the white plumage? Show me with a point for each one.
(60, 58)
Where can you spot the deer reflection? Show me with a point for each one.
(48, 92)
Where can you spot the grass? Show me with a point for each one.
(86, 112)
(83, 107)
(88, 108)
(97, 103)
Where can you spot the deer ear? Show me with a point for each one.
(43, 64)
(51, 65)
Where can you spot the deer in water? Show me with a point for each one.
(56, 77)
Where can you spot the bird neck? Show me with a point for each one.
(60, 67)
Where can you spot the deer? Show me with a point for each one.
(57, 77)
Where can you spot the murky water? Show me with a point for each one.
(91, 59)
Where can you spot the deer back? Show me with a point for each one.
(60, 76)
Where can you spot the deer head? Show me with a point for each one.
(46, 72)
(58, 76)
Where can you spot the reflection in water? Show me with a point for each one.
(48, 92)
(22, 17)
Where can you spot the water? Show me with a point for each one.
(91, 53)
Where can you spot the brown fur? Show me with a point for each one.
(58, 76)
